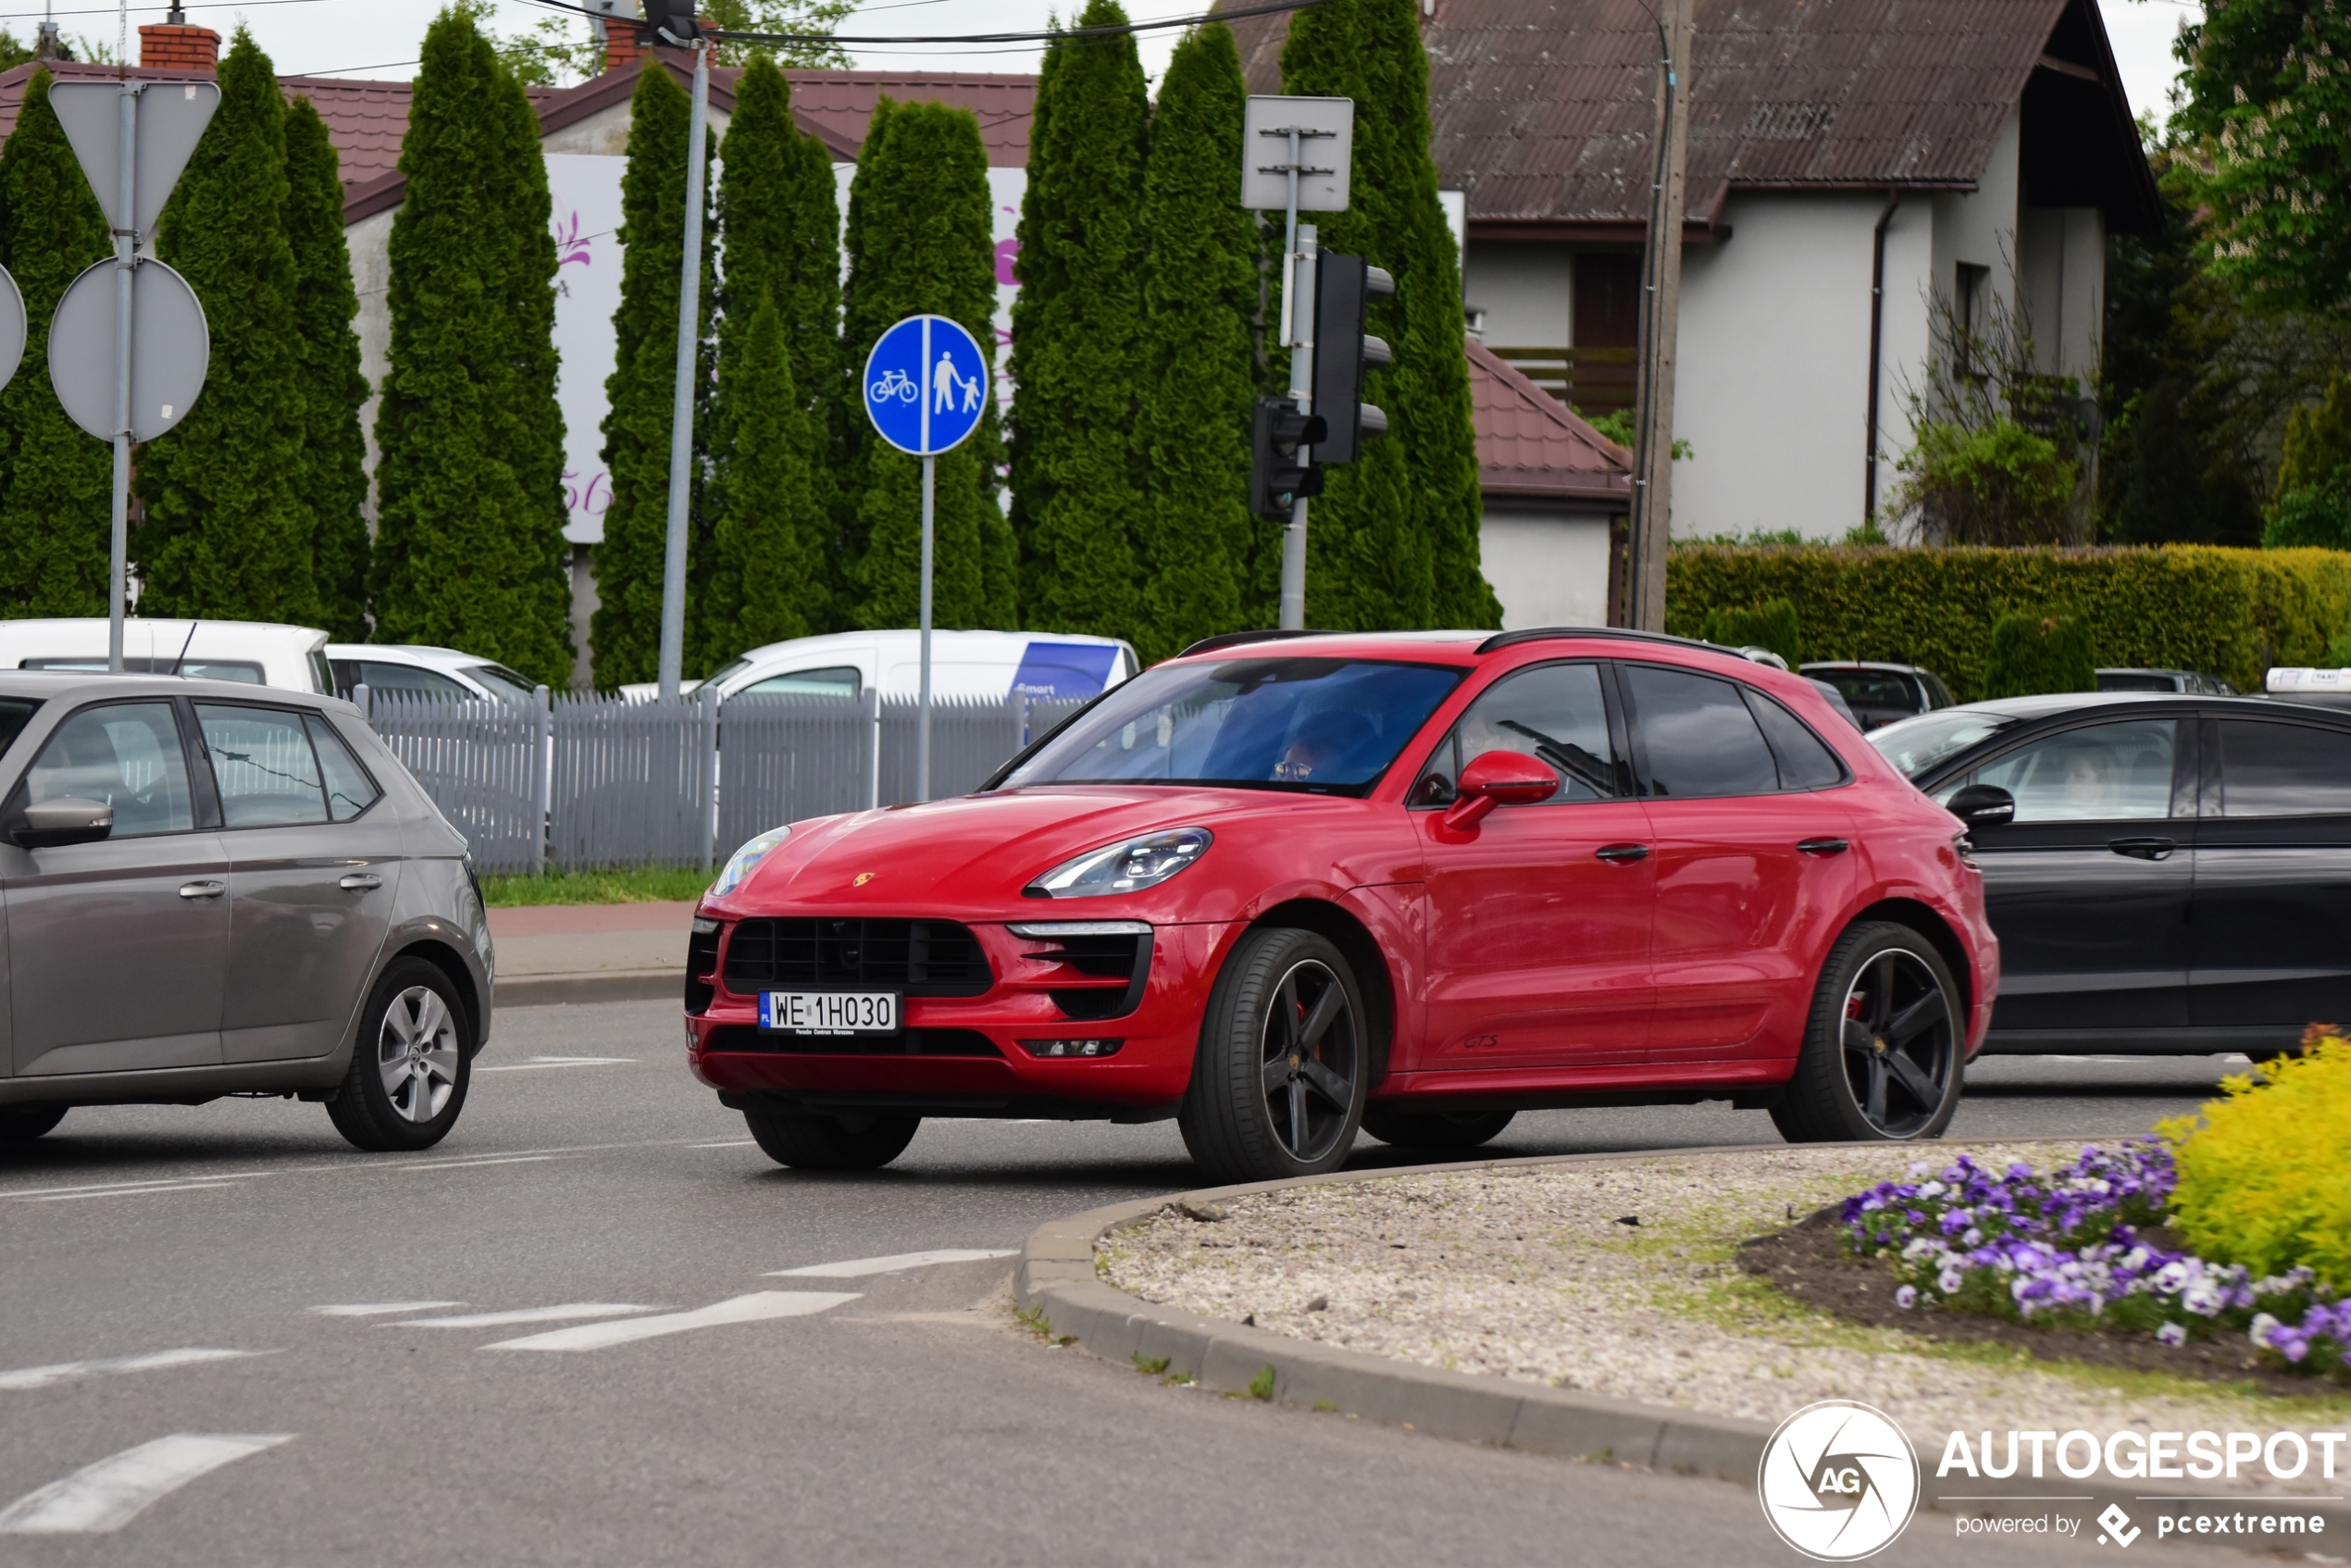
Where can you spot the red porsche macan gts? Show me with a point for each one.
(1284, 887)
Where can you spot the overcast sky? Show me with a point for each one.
(380, 37)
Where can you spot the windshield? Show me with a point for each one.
(1913, 745)
(1324, 726)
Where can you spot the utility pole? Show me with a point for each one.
(1660, 316)
(675, 24)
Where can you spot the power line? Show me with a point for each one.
(110, 10)
(1116, 31)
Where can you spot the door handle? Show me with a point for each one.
(1623, 854)
(1822, 846)
(361, 882)
(2143, 848)
(205, 889)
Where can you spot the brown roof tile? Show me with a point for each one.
(1531, 446)
(1543, 108)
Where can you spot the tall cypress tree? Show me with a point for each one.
(56, 481)
(1076, 324)
(226, 532)
(919, 240)
(469, 547)
(625, 630)
(772, 573)
(334, 488)
(1198, 384)
(1395, 535)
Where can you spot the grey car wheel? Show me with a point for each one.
(1284, 1062)
(409, 1068)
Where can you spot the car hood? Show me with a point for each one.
(980, 851)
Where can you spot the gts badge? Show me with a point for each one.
(1482, 1042)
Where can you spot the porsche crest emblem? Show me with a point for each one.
(863, 878)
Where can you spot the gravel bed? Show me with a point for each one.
(1533, 1272)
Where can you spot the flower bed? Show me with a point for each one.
(2082, 1247)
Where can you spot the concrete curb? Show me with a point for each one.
(598, 984)
(1057, 1278)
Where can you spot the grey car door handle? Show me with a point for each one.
(2143, 848)
(361, 882)
(207, 889)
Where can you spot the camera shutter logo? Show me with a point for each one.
(1839, 1481)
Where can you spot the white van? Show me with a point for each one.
(964, 665)
(417, 669)
(256, 653)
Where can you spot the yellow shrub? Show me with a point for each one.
(2265, 1172)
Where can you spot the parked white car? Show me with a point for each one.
(254, 652)
(416, 669)
(964, 665)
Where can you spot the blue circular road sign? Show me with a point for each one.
(925, 385)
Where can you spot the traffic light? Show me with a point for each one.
(1277, 475)
(1342, 287)
(672, 22)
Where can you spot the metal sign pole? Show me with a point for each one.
(681, 418)
(930, 465)
(1302, 392)
(125, 261)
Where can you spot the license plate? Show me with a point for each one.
(829, 1012)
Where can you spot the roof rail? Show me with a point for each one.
(1545, 634)
(1234, 639)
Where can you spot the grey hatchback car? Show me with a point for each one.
(211, 889)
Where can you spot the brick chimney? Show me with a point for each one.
(623, 43)
(172, 44)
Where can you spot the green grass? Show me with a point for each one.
(656, 884)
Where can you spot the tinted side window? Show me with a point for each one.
(843, 681)
(1697, 736)
(2284, 770)
(127, 754)
(262, 761)
(1552, 712)
(1806, 762)
(349, 790)
(2099, 773)
(409, 681)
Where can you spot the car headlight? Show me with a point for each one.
(1123, 868)
(744, 861)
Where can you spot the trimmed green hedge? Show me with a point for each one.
(2230, 613)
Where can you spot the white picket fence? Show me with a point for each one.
(580, 782)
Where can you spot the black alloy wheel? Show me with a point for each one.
(1435, 1129)
(22, 1123)
(1881, 1058)
(830, 1143)
(1279, 1082)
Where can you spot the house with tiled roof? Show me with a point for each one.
(1856, 167)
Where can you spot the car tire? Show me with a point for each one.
(1435, 1129)
(1284, 1065)
(831, 1143)
(22, 1123)
(411, 1064)
(1883, 1057)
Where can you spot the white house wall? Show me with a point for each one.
(1526, 291)
(1549, 567)
(2061, 257)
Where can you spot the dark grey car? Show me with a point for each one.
(215, 889)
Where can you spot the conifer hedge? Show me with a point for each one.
(2232, 613)
(919, 240)
(226, 531)
(55, 482)
(469, 547)
(1192, 426)
(1076, 331)
(625, 633)
(1394, 539)
(334, 488)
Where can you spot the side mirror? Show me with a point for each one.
(1983, 805)
(1499, 779)
(68, 820)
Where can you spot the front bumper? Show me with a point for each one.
(988, 1073)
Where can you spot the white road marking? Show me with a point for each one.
(857, 1268)
(758, 1307)
(526, 1314)
(469, 1165)
(334, 1167)
(147, 1191)
(109, 1494)
(737, 1143)
(378, 1309)
(153, 1360)
(534, 1064)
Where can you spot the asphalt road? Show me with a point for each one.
(893, 1417)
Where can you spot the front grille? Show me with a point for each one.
(919, 957)
(701, 957)
(912, 1042)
